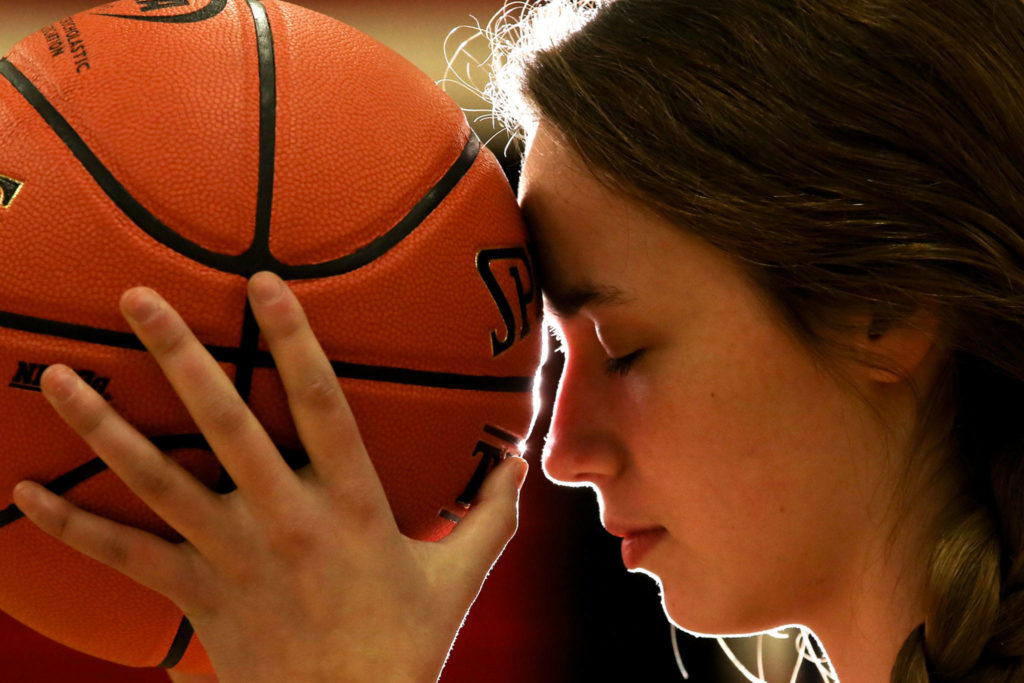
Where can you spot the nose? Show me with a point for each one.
(583, 443)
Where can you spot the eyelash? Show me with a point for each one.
(621, 366)
(613, 366)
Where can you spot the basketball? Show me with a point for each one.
(186, 146)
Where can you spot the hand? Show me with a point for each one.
(294, 576)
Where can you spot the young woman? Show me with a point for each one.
(782, 241)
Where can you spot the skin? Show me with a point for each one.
(771, 480)
(295, 576)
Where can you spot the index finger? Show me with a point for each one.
(241, 444)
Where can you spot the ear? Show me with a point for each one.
(904, 344)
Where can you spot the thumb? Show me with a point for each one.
(476, 543)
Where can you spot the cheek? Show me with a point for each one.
(752, 484)
(755, 450)
(755, 408)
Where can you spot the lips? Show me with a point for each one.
(637, 541)
(623, 529)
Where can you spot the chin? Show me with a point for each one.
(690, 611)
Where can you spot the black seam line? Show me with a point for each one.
(210, 11)
(436, 380)
(103, 177)
(249, 262)
(260, 250)
(502, 434)
(248, 347)
(268, 133)
(263, 359)
(89, 469)
(386, 242)
(60, 485)
(248, 353)
(179, 645)
(295, 458)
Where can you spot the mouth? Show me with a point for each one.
(637, 542)
(638, 545)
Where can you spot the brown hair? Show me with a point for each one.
(856, 156)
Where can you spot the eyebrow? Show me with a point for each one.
(568, 302)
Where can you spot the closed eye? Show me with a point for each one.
(622, 365)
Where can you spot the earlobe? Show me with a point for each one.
(899, 347)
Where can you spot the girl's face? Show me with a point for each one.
(691, 411)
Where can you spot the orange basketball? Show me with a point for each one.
(185, 146)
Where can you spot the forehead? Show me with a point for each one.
(588, 237)
(581, 229)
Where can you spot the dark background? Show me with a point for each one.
(559, 606)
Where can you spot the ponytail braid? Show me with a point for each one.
(974, 632)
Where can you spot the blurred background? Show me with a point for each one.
(559, 607)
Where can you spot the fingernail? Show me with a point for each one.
(59, 382)
(265, 287)
(140, 304)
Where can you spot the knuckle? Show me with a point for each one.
(71, 526)
(198, 604)
(291, 324)
(197, 590)
(152, 483)
(226, 416)
(92, 417)
(171, 341)
(61, 524)
(321, 393)
(364, 513)
(292, 538)
(113, 552)
(279, 322)
(509, 524)
(356, 500)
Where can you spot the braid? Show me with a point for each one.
(1005, 648)
(974, 632)
(972, 635)
(911, 663)
(965, 583)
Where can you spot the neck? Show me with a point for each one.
(885, 595)
(864, 649)
(882, 602)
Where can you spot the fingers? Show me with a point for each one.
(492, 521)
(322, 416)
(151, 561)
(174, 494)
(240, 442)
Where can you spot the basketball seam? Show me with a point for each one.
(247, 263)
(295, 458)
(258, 256)
(263, 359)
(64, 483)
(248, 355)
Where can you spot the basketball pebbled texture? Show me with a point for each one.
(186, 146)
